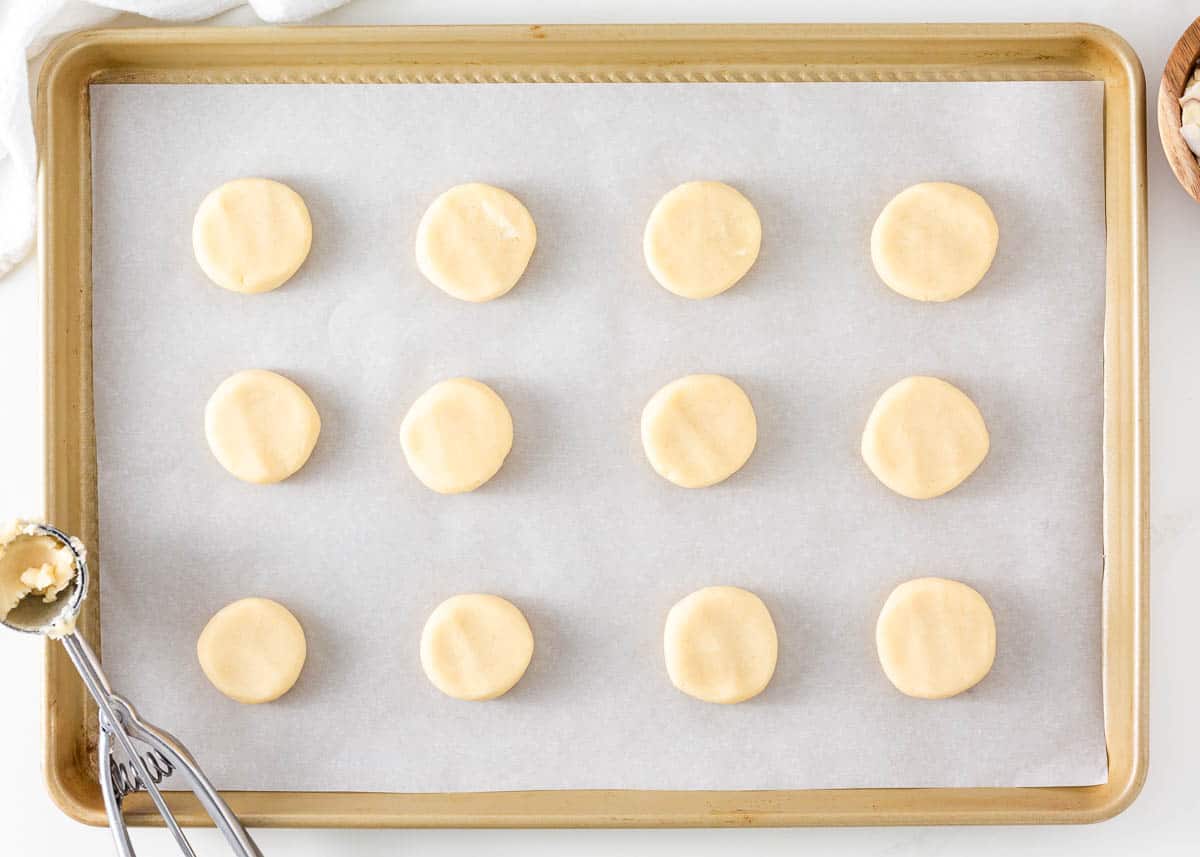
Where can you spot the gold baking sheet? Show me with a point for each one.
(600, 54)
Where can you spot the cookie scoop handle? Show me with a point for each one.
(150, 755)
(133, 754)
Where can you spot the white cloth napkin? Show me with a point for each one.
(26, 28)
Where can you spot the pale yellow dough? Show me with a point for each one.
(936, 637)
(699, 430)
(261, 426)
(252, 650)
(720, 644)
(251, 235)
(934, 241)
(456, 435)
(475, 242)
(475, 646)
(701, 238)
(32, 565)
(924, 437)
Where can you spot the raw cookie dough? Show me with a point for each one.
(934, 241)
(252, 650)
(476, 646)
(261, 426)
(924, 437)
(475, 241)
(31, 565)
(936, 637)
(699, 430)
(720, 644)
(701, 238)
(456, 435)
(251, 235)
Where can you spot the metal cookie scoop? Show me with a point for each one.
(133, 753)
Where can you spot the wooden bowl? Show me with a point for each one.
(1175, 79)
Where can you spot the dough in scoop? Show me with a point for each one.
(251, 235)
(252, 650)
(699, 430)
(924, 437)
(936, 637)
(476, 646)
(475, 241)
(701, 238)
(720, 644)
(261, 426)
(456, 435)
(934, 241)
(31, 565)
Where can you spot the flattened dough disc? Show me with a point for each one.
(924, 437)
(456, 435)
(261, 426)
(701, 238)
(475, 242)
(699, 430)
(251, 235)
(476, 646)
(252, 650)
(720, 644)
(934, 241)
(936, 637)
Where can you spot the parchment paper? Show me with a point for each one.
(577, 529)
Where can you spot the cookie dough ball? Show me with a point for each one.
(456, 435)
(934, 241)
(252, 650)
(701, 238)
(936, 637)
(475, 241)
(924, 437)
(251, 235)
(699, 430)
(476, 647)
(720, 644)
(31, 565)
(261, 426)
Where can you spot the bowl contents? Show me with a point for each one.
(1190, 122)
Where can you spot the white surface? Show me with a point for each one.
(577, 529)
(1161, 822)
